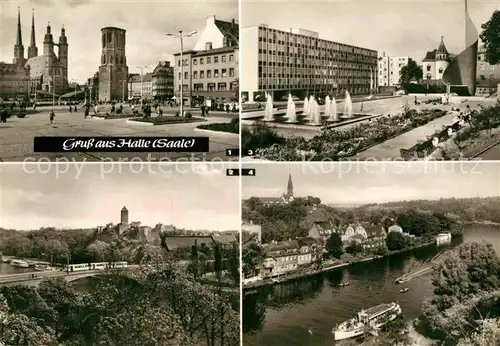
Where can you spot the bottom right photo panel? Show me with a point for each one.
(371, 253)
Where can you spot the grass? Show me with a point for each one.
(164, 120)
(222, 127)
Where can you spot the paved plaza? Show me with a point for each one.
(17, 135)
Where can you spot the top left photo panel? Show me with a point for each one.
(87, 81)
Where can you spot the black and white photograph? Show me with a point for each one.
(378, 254)
(370, 80)
(119, 255)
(113, 69)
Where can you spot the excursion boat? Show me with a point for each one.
(42, 267)
(367, 321)
(344, 284)
(404, 290)
(19, 263)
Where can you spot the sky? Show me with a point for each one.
(146, 23)
(370, 182)
(188, 196)
(396, 27)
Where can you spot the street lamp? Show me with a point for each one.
(142, 69)
(181, 36)
(123, 90)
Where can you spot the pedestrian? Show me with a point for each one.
(361, 107)
(203, 110)
(86, 111)
(3, 114)
(52, 116)
(76, 110)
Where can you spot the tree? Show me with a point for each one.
(334, 245)
(490, 36)
(252, 258)
(354, 248)
(395, 241)
(234, 263)
(411, 71)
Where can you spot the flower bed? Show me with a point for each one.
(167, 120)
(232, 127)
(334, 144)
(108, 116)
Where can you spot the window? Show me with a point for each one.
(223, 58)
(201, 61)
(221, 86)
(231, 57)
(216, 59)
(211, 86)
(179, 63)
(195, 62)
(209, 74)
(202, 74)
(209, 60)
(224, 72)
(179, 75)
(231, 72)
(208, 45)
(428, 68)
(216, 73)
(198, 87)
(109, 37)
(185, 75)
(195, 74)
(440, 70)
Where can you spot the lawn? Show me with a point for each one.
(232, 127)
(164, 120)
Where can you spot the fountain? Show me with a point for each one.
(291, 114)
(333, 115)
(315, 114)
(327, 105)
(310, 113)
(268, 113)
(347, 105)
(306, 106)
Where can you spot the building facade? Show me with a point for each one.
(163, 81)
(299, 62)
(389, 69)
(485, 70)
(141, 86)
(47, 72)
(321, 231)
(211, 68)
(113, 72)
(435, 63)
(280, 258)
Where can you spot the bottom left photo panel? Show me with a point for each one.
(119, 254)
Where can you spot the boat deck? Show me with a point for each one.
(375, 310)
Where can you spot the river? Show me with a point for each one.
(303, 312)
(6, 269)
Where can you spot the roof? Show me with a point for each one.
(374, 231)
(395, 228)
(163, 67)
(137, 78)
(230, 30)
(197, 53)
(284, 245)
(112, 27)
(430, 56)
(13, 68)
(73, 93)
(307, 241)
(358, 237)
(175, 242)
(442, 48)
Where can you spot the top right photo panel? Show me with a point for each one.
(370, 80)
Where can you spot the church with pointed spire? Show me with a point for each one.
(36, 72)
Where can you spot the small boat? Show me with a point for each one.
(42, 267)
(344, 284)
(367, 321)
(404, 290)
(19, 263)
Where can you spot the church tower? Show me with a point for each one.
(48, 43)
(63, 58)
(289, 189)
(19, 48)
(113, 72)
(124, 216)
(32, 49)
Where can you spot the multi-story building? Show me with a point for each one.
(162, 81)
(484, 69)
(141, 86)
(435, 63)
(321, 231)
(376, 237)
(389, 69)
(113, 72)
(210, 70)
(299, 62)
(280, 258)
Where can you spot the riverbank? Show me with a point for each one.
(300, 275)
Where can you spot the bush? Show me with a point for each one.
(177, 113)
(224, 127)
(260, 136)
(188, 115)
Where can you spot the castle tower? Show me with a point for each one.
(289, 189)
(113, 72)
(18, 47)
(124, 216)
(63, 58)
(32, 49)
(442, 61)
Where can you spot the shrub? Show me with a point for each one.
(188, 115)
(177, 113)
(259, 136)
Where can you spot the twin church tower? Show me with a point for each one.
(48, 72)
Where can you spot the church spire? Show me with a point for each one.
(19, 39)
(32, 49)
(19, 48)
(289, 190)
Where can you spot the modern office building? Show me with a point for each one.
(163, 81)
(389, 69)
(211, 67)
(299, 62)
